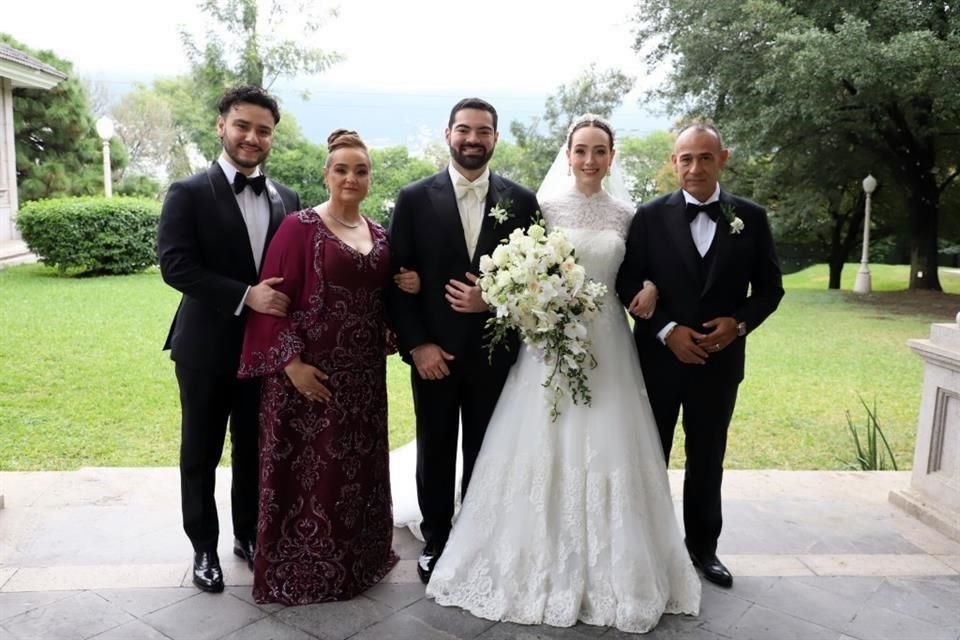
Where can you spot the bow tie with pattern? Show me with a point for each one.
(478, 188)
(712, 210)
(241, 181)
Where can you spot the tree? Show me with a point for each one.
(251, 42)
(782, 76)
(438, 154)
(300, 167)
(58, 150)
(146, 126)
(194, 119)
(246, 42)
(593, 91)
(646, 163)
(97, 95)
(510, 160)
(392, 168)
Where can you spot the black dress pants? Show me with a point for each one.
(208, 401)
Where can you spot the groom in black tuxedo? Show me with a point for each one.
(440, 228)
(214, 230)
(712, 257)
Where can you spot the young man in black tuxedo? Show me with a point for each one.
(712, 257)
(440, 228)
(214, 230)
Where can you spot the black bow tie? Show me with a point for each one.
(712, 210)
(258, 184)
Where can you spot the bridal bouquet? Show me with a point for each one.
(536, 287)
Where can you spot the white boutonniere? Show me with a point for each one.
(501, 212)
(736, 224)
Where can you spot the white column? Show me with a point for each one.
(934, 493)
(8, 165)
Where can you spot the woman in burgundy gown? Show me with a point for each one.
(325, 523)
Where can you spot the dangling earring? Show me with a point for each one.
(608, 171)
(569, 171)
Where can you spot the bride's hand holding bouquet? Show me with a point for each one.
(535, 286)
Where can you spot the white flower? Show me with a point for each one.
(501, 212)
(730, 213)
(537, 289)
(486, 263)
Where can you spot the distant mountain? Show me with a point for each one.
(409, 119)
(390, 119)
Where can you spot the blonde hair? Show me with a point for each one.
(345, 139)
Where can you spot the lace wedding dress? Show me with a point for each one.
(573, 520)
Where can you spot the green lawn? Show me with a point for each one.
(83, 381)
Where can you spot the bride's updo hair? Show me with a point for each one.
(344, 139)
(589, 120)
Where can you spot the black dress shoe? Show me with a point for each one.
(244, 549)
(428, 560)
(712, 569)
(206, 571)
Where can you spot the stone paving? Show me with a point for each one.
(13, 252)
(99, 553)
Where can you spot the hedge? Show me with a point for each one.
(92, 235)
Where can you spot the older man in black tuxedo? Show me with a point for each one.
(712, 257)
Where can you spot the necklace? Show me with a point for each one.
(346, 224)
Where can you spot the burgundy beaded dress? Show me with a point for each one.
(325, 525)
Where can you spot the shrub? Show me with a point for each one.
(94, 235)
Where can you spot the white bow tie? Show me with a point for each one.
(478, 188)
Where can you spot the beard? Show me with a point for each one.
(471, 163)
(233, 152)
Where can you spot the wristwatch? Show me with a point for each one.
(741, 329)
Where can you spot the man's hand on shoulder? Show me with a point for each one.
(267, 300)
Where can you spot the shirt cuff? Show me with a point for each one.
(243, 301)
(663, 333)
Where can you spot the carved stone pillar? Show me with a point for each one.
(934, 493)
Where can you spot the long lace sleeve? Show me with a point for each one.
(270, 342)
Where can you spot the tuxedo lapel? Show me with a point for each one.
(444, 201)
(487, 240)
(235, 229)
(679, 229)
(721, 245)
(277, 211)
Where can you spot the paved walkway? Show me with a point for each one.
(99, 553)
(15, 252)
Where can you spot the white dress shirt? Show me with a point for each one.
(255, 210)
(703, 228)
(471, 202)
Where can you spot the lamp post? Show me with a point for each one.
(105, 131)
(862, 283)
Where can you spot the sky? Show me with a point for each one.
(404, 52)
